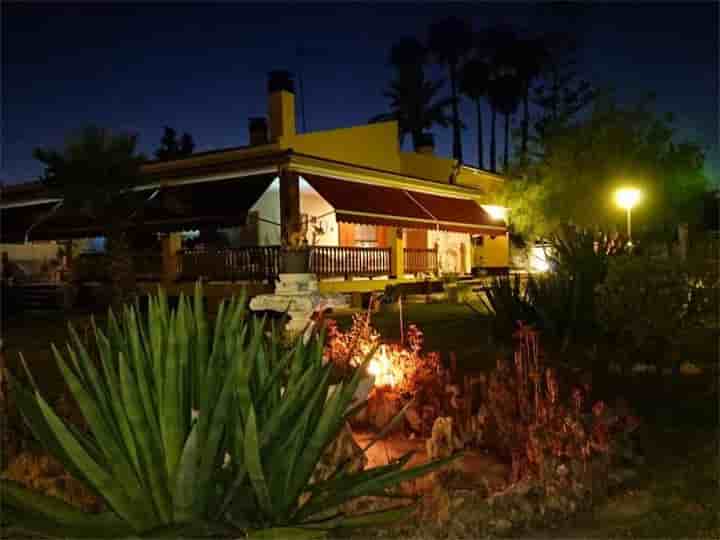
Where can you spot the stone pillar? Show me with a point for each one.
(298, 295)
(397, 256)
(290, 220)
(171, 243)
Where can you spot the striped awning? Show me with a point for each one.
(173, 208)
(356, 202)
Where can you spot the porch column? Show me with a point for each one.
(289, 204)
(397, 254)
(171, 243)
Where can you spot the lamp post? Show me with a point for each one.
(627, 198)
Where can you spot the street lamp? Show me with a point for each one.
(627, 198)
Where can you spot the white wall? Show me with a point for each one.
(450, 250)
(321, 214)
(268, 209)
(311, 203)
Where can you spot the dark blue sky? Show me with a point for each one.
(202, 68)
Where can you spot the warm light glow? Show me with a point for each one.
(384, 369)
(627, 198)
(538, 259)
(496, 212)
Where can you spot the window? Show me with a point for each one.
(366, 236)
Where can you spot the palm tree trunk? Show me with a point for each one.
(493, 142)
(481, 157)
(525, 124)
(122, 271)
(507, 143)
(457, 145)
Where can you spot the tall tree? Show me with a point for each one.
(529, 56)
(505, 94)
(170, 148)
(415, 107)
(496, 45)
(450, 40)
(615, 145)
(562, 93)
(414, 101)
(89, 173)
(474, 83)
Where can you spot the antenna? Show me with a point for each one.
(300, 52)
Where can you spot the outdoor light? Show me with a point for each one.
(627, 198)
(538, 259)
(496, 212)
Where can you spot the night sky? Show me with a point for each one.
(202, 68)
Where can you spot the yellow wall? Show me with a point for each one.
(488, 183)
(433, 167)
(494, 252)
(281, 110)
(373, 145)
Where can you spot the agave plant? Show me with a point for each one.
(507, 300)
(216, 431)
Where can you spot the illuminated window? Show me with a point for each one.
(366, 236)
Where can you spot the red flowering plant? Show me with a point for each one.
(548, 434)
(402, 372)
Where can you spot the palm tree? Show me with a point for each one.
(89, 173)
(504, 95)
(415, 107)
(528, 56)
(450, 40)
(474, 82)
(413, 99)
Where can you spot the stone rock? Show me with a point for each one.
(501, 525)
(342, 449)
(414, 419)
(383, 405)
(298, 295)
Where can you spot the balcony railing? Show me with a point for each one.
(332, 261)
(419, 261)
(260, 263)
(252, 263)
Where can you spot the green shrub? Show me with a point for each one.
(643, 305)
(506, 299)
(190, 425)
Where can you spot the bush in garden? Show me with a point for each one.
(643, 305)
(506, 299)
(418, 375)
(565, 299)
(549, 434)
(199, 430)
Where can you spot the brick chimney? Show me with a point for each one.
(281, 97)
(258, 129)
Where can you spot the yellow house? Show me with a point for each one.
(365, 208)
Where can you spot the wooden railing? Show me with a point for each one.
(259, 263)
(252, 263)
(418, 261)
(329, 261)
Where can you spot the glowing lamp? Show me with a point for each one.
(627, 198)
(495, 212)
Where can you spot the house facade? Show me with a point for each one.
(364, 208)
